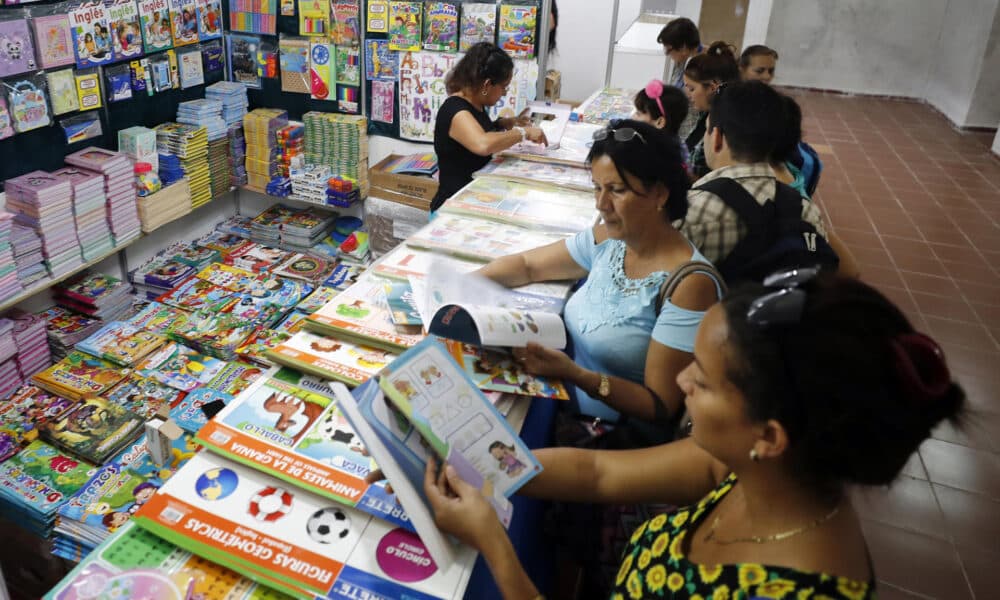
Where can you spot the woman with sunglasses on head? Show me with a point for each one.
(628, 344)
(704, 76)
(800, 387)
(465, 138)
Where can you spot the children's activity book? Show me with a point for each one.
(288, 426)
(441, 26)
(94, 429)
(495, 371)
(121, 343)
(79, 375)
(537, 172)
(485, 325)
(477, 239)
(330, 358)
(479, 24)
(516, 33)
(292, 540)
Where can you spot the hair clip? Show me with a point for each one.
(919, 363)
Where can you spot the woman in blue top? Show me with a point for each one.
(627, 354)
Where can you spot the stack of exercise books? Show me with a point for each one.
(190, 144)
(208, 113)
(8, 347)
(171, 170)
(192, 254)
(9, 284)
(89, 202)
(304, 229)
(260, 127)
(67, 328)
(95, 295)
(169, 204)
(159, 275)
(258, 258)
(339, 142)
(119, 187)
(45, 203)
(237, 155)
(10, 377)
(233, 97)
(265, 228)
(27, 246)
(236, 225)
(33, 353)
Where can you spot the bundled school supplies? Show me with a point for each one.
(89, 202)
(44, 203)
(95, 295)
(119, 188)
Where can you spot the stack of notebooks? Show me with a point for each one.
(10, 380)
(45, 203)
(192, 254)
(171, 170)
(265, 228)
(89, 209)
(66, 329)
(95, 295)
(190, 144)
(9, 284)
(339, 142)
(10, 377)
(119, 186)
(8, 347)
(170, 203)
(159, 275)
(258, 258)
(32, 342)
(233, 97)
(203, 113)
(304, 229)
(237, 156)
(260, 126)
(27, 254)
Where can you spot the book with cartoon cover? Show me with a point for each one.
(219, 334)
(259, 343)
(529, 206)
(188, 413)
(478, 239)
(223, 243)
(105, 503)
(257, 258)
(197, 294)
(495, 371)
(94, 429)
(330, 358)
(516, 33)
(195, 256)
(79, 375)
(40, 478)
(317, 299)
(23, 413)
(404, 25)
(232, 278)
(441, 26)
(180, 367)
(360, 314)
(143, 396)
(479, 24)
(345, 28)
(121, 343)
(158, 318)
(283, 420)
(92, 288)
(235, 377)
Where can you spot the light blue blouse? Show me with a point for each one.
(611, 317)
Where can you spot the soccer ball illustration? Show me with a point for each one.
(328, 525)
(270, 504)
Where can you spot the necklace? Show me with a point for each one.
(776, 537)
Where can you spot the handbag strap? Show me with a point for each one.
(674, 280)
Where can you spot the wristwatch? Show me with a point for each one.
(604, 388)
(519, 129)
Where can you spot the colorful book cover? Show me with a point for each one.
(361, 314)
(109, 499)
(235, 377)
(188, 414)
(257, 257)
(348, 65)
(195, 256)
(479, 24)
(317, 299)
(441, 26)
(143, 396)
(404, 25)
(41, 477)
(220, 334)
(23, 413)
(158, 318)
(232, 278)
(94, 429)
(126, 32)
(17, 53)
(496, 371)
(525, 205)
(516, 33)
(92, 288)
(66, 323)
(314, 17)
(91, 31)
(184, 22)
(402, 303)
(62, 91)
(162, 271)
(223, 243)
(260, 342)
(121, 343)
(198, 294)
(403, 262)
(381, 64)
(209, 19)
(294, 64)
(88, 90)
(330, 358)
(345, 29)
(154, 16)
(305, 267)
(53, 40)
(79, 375)
(180, 367)
(321, 70)
(477, 239)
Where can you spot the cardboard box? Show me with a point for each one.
(553, 85)
(415, 186)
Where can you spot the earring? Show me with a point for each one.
(485, 92)
(754, 456)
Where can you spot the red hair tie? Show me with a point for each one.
(920, 365)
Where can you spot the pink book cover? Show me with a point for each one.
(94, 158)
(53, 40)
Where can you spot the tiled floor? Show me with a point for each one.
(919, 204)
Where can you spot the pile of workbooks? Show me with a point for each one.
(95, 295)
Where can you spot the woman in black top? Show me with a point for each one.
(465, 137)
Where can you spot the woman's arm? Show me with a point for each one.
(552, 262)
(677, 473)
(466, 131)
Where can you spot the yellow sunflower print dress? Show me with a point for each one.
(654, 566)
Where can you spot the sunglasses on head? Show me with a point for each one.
(654, 89)
(784, 306)
(619, 134)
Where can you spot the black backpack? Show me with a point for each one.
(777, 237)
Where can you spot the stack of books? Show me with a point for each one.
(265, 228)
(9, 284)
(27, 254)
(93, 430)
(119, 186)
(45, 203)
(89, 202)
(28, 409)
(170, 203)
(66, 329)
(8, 347)
(237, 155)
(171, 170)
(339, 142)
(258, 258)
(260, 126)
(233, 97)
(304, 229)
(95, 295)
(190, 144)
(236, 225)
(208, 113)
(10, 377)
(11, 380)
(121, 342)
(33, 353)
(78, 376)
(159, 275)
(192, 255)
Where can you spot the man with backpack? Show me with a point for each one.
(740, 217)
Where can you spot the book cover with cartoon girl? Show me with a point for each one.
(479, 24)
(154, 17)
(126, 31)
(121, 343)
(142, 395)
(405, 25)
(92, 39)
(53, 40)
(440, 26)
(94, 429)
(109, 499)
(184, 22)
(495, 371)
(79, 375)
(516, 33)
(23, 413)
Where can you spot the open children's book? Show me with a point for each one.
(551, 118)
(422, 406)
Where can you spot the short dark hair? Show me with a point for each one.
(756, 50)
(717, 63)
(786, 143)
(657, 161)
(679, 33)
(675, 105)
(835, 383)
(483, 62)
(751, 115)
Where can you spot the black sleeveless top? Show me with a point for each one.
(456, 163)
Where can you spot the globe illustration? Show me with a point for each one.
(216, 484)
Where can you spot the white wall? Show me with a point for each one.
(996, 142)
(758, 20)
(582, 46)
(984, 110)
